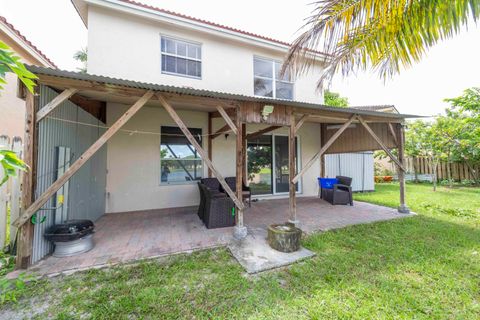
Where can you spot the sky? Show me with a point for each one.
(446, 70)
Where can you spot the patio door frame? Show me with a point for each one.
(273, 159)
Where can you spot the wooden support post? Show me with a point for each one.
(82, 160)
(201, 151)
(380, 142)
(324, 148)
(401, 172)
(210, 141)
(239, 164)
(244, 157)
(49, 107)
(292, 216)
(227, 119)
(25, 233)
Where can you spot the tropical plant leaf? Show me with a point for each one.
(11, 62)
(383, 35)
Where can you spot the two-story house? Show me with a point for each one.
(133, 41)
(169, 99)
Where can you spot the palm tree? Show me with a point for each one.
(383, 35)
(82, 56)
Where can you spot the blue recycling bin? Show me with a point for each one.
(327, 183)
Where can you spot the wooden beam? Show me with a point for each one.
(227, 119)
(258, 133)
(230, 112)
(392, 131)
(244, 158)
(380, 142)
(324, 148)
(200, 150)
(25, 233)
(300, 122)
(219, 132)
(239, 169)
(49, 107)
(37, 204)
(210, 141)
(292, 216)
(401, 173)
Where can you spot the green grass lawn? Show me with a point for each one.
(423, 267)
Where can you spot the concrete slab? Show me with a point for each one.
(255, 255)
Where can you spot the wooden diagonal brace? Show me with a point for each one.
(37, 204)
(392, 131)
(258, 133)
(324, 148)
(200, 150)
(300, 122)
(223, 129)
(380, 142)
(227, 119)
(49, 107)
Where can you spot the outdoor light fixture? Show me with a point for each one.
(266, 111)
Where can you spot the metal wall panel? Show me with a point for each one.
(77, 131)
(358, 166)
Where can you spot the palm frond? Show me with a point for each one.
(383, 35)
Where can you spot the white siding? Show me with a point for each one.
(127, 46)
(358, 166)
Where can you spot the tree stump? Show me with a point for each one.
(284, 237)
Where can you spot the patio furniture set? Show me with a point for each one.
(217, 209)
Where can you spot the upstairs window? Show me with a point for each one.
(268, 82)
(181, 58)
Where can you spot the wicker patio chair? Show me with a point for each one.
(246, 192)
(211, 183)
(218, 210)
(341, 192)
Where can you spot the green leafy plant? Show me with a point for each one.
(333, 99)
(10, 62)
(82, 56)
(10, 163)
(12, 289)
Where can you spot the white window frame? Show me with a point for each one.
(176, 183)
(273, 79)
(182, 57)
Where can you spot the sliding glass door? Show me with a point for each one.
(259, 165)
(267, 162)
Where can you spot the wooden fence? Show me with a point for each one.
(423, 166)
(10, 195)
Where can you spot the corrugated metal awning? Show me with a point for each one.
(205, 93)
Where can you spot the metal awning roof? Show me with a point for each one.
(205, 93)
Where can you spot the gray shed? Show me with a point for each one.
(358, 166)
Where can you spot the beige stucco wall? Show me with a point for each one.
(127, 46)
(133, 161)
(12, 109)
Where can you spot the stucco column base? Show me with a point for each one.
(239, 233)
(403, 209)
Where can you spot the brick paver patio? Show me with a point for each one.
(124, 237)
